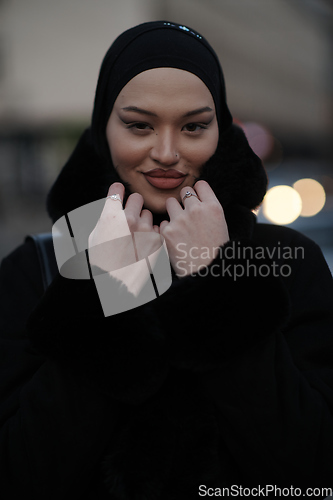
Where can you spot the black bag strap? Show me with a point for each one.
(46, 256)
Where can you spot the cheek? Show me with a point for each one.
(202, 152)
(214, 140)
(126, 154)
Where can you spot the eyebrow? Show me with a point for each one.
(206, 109)
(198, 111)
(139, 110)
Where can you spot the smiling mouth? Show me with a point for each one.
(165, 179)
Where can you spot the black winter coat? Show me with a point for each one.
(207, 385)
(222, 381)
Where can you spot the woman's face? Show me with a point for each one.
(161, 131)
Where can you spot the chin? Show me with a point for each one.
(156, 208)
(157, 204)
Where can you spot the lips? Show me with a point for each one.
(164, 179)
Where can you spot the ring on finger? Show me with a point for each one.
(114, 197)
(188, 194)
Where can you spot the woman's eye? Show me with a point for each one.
(139, 126)
(194, 127)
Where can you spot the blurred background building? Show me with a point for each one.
(277, 60)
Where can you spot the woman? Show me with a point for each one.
(225, 379)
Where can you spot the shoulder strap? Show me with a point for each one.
(46, 256)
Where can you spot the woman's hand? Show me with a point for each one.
(195, 233)
(122, 237)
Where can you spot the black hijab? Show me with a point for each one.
(234, 172)
(154, 45)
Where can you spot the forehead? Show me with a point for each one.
(175, 85)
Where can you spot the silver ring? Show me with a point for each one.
(114, 197)
(188, 194)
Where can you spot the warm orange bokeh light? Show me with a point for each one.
(312, 194)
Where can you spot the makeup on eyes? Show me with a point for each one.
(136, 123)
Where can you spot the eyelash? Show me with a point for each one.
(201, 126)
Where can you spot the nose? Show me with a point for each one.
(164, 150)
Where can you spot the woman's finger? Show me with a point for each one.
(163, 225)
(204, 191)
(189, 195)
(114, 200)
(133, 209)
(112, 223)
(146, 218)
(116, 191)
(173, 208)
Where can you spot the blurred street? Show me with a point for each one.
(277, 61)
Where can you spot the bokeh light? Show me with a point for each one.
(312, 194)
(260, 139)
(282, 205)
